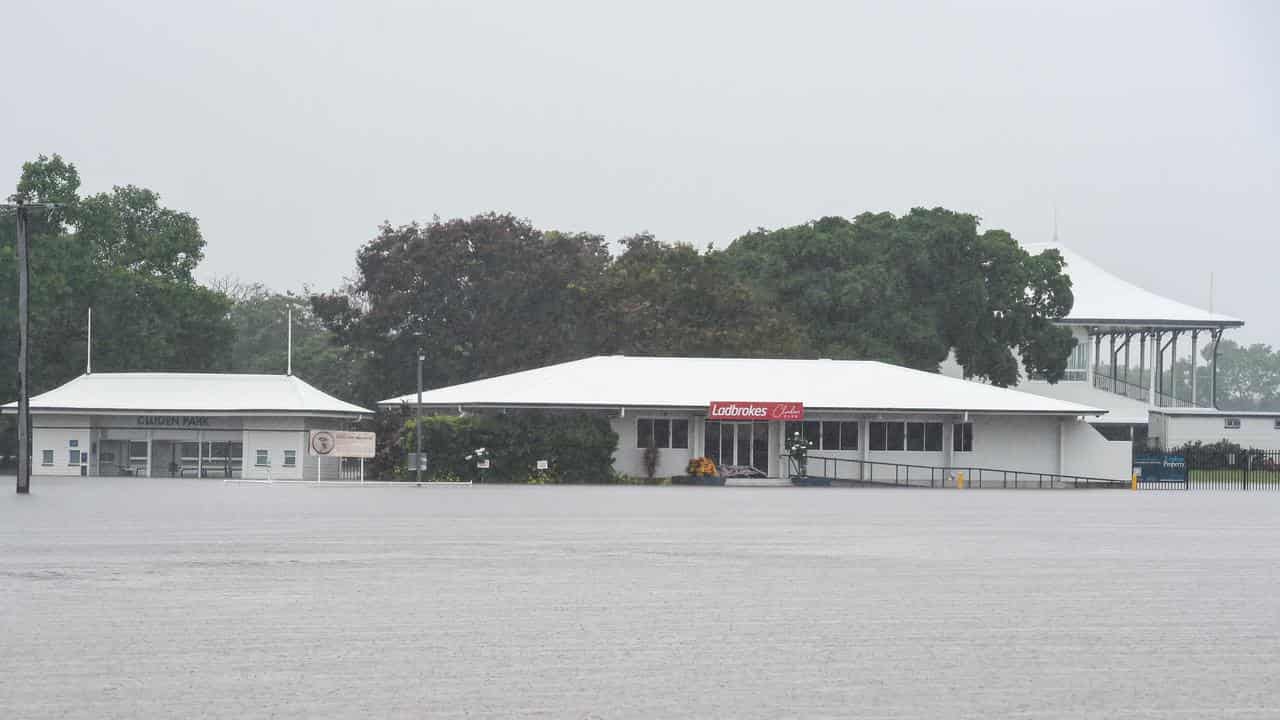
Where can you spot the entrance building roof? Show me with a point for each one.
(179, 393)
(617, 381)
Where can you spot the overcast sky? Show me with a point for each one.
(292, 129)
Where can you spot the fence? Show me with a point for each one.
(871, 472)
(1217, 467)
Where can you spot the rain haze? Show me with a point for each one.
(291, 130)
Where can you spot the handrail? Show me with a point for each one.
(939, 476)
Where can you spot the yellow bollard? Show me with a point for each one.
(959, 481)
(1135, 481)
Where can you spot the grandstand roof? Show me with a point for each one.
(1105, 299)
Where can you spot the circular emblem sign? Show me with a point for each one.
(322, 442)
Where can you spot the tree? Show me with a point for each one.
(259, 320)
(127, 258)
(481, 296)
(669, 299)
(910, 290)
(1248, 376)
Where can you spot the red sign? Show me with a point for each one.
(722, 410)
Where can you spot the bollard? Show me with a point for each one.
(1135, 481)
(959, 481)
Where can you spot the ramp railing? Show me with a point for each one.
(879, 473)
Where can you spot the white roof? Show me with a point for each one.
(1104, 299)
(190, 393)
(677, 382)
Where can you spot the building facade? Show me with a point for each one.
(185, 425)
(851, 410)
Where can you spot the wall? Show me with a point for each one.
(1087, 453)
(1258, 431)
(629, 459)
(270, 434)
(55, 432)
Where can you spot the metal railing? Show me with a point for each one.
(1121, 386)
(1211, 467)
(878, 473)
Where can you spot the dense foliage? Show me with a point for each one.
(910, 289)
(578, 447)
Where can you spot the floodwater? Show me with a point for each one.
(125, 598)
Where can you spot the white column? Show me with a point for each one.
(864, 442)
(149, 452)
(199, 454)
(1155, 369)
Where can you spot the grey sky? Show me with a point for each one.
(292, 129)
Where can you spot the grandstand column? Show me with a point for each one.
(1155, 369)
(1195, 343)
(1173, 368)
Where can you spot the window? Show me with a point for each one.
(830, 436)
(290, 458)
(661, 433)
(933, 437)
(73, 457)
(680, 434)
(915, 436)
(962, 437)
(879, 434)
(46, 457)
(848, 436)
(1278, 423)
(896, 436)
(1231, 423)
(264, 458)
(73, 443)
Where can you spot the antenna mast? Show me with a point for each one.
(88, 345)
(289, 353)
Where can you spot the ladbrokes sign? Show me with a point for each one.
(721, 410)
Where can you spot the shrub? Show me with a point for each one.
(579, 448)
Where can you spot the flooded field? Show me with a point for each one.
(123, 598)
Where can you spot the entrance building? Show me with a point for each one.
(211, 425)
(740, 412)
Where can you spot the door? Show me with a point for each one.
(742, 444)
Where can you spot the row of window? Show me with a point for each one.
(263, 456)
(883, 436)
(661, 433)
(827, 435)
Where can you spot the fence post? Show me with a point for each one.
(1248, 460)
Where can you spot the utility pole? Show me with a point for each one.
(24, 362)
(417, 424)
(20, 208)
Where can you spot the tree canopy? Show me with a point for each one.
(127, 257)
(911, 289)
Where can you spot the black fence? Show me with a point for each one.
(1220, 466)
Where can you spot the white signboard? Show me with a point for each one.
(341, 443)
(543, 465)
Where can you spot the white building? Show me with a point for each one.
(1127, 339)
(184, 424)
(855, 410)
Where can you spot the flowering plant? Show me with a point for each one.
(701, 467)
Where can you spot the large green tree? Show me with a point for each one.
(480, 296)
(911, 289)
(125, 256)
(669, 299)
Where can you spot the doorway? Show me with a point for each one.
(738, 444)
